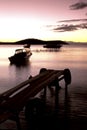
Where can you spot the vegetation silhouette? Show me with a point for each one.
(33, 41)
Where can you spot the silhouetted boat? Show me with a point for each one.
(20, 56)
(52, 46)
(26, 45)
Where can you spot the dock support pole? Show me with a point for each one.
(56, 94)
(18, 123)
(17, 119)
(45, 92)
(67, 77)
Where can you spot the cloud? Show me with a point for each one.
(67, 26)
(72, 20)
(79, 5)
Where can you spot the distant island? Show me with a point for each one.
(34, 42)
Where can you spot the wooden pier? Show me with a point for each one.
(14, 100)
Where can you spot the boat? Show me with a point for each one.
(52, 46)
(26, 45)
(20, 56)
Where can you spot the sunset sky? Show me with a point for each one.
(43, 19)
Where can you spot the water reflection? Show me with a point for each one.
(14, 75)
(21, 64)
(21, 70)
(47, 50)
(56, 116)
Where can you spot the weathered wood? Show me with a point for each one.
(14, 102)
(16, 98)
(4, 115)
(35, 80)
(21, 85)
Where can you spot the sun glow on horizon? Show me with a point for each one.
(17, 28)
(21, 28)
(43, 19)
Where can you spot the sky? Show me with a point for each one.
(43, 19)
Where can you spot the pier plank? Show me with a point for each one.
(12, 101)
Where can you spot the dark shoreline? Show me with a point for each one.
(33, 42)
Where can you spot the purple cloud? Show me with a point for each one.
(79, 5)
(65, 27)
(72, 20)
(69, 25)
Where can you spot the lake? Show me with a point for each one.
(73, 57)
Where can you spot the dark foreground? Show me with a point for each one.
(58, 113)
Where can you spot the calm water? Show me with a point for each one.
(73, 57)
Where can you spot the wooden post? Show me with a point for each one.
(17, 119)
(67, 77)
(16, 98)
(56, 94)
(43, 96)
(18, 122)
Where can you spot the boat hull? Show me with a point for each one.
(52, 46)
(16, 60)
(19, 58)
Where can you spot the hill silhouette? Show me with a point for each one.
(30, 41)
(33, 42)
